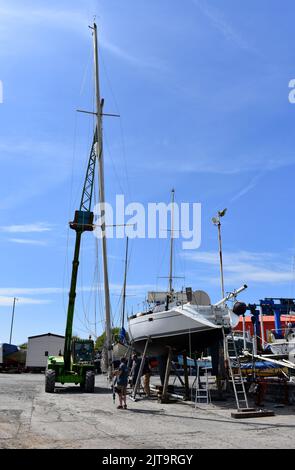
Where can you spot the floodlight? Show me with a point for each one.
(222, 213)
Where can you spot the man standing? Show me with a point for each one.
(146, 372)
(122, 381)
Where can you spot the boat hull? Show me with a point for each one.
(188, 341)
(185, 328)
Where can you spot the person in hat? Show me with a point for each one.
(122, 381)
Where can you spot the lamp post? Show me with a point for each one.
(222, 348)
(12, 318)
(216, 221)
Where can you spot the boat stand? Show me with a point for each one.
(164, 397)
(138, 379)
(186, 379)
(177, 374)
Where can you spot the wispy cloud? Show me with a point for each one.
(40, 160)
(147, 62)
(247, 188)
(7, 301)
(18, 291)
(210, 161)
(27, 228)
(74, 19)
(115, 289)
(27, 241)
(219, 22)
(243, 266)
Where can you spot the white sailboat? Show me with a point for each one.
(188, 322)
(181, 320)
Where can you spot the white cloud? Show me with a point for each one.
(72, 19)
(17, 291)
(208, 163)
(149, 63)
(27, 241)
(7, 301)
(27, 228)
(115, 288)
(247, 188)
(244, 267)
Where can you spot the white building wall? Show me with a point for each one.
(40, 347)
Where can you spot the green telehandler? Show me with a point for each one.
(76, 366)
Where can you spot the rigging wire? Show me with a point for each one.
(86, 302)
(110, 158)
(66, 272)
(113, 163)
(122, 137)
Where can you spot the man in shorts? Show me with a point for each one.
(122, 380)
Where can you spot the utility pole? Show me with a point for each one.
(220, 258)
(99, 153)
(12, 319)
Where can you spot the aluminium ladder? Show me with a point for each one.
(236, 377)
(202, 395)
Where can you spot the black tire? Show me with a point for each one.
(49, 381)
(89, 381)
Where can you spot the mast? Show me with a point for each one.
(124, 286)
(171, 244)
(99, 153)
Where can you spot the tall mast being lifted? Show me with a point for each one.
(99, 153)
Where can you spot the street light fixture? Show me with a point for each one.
(216, 221)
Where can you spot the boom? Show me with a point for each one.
(82, 222)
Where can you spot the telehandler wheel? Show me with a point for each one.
(49, 381)
(89, 381)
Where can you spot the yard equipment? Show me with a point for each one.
(76, 366)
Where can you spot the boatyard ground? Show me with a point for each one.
(30, 418)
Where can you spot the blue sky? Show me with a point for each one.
(202, 90)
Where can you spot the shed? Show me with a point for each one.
(42, 346)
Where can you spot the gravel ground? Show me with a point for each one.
(33, 419)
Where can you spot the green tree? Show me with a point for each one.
(99, 343)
